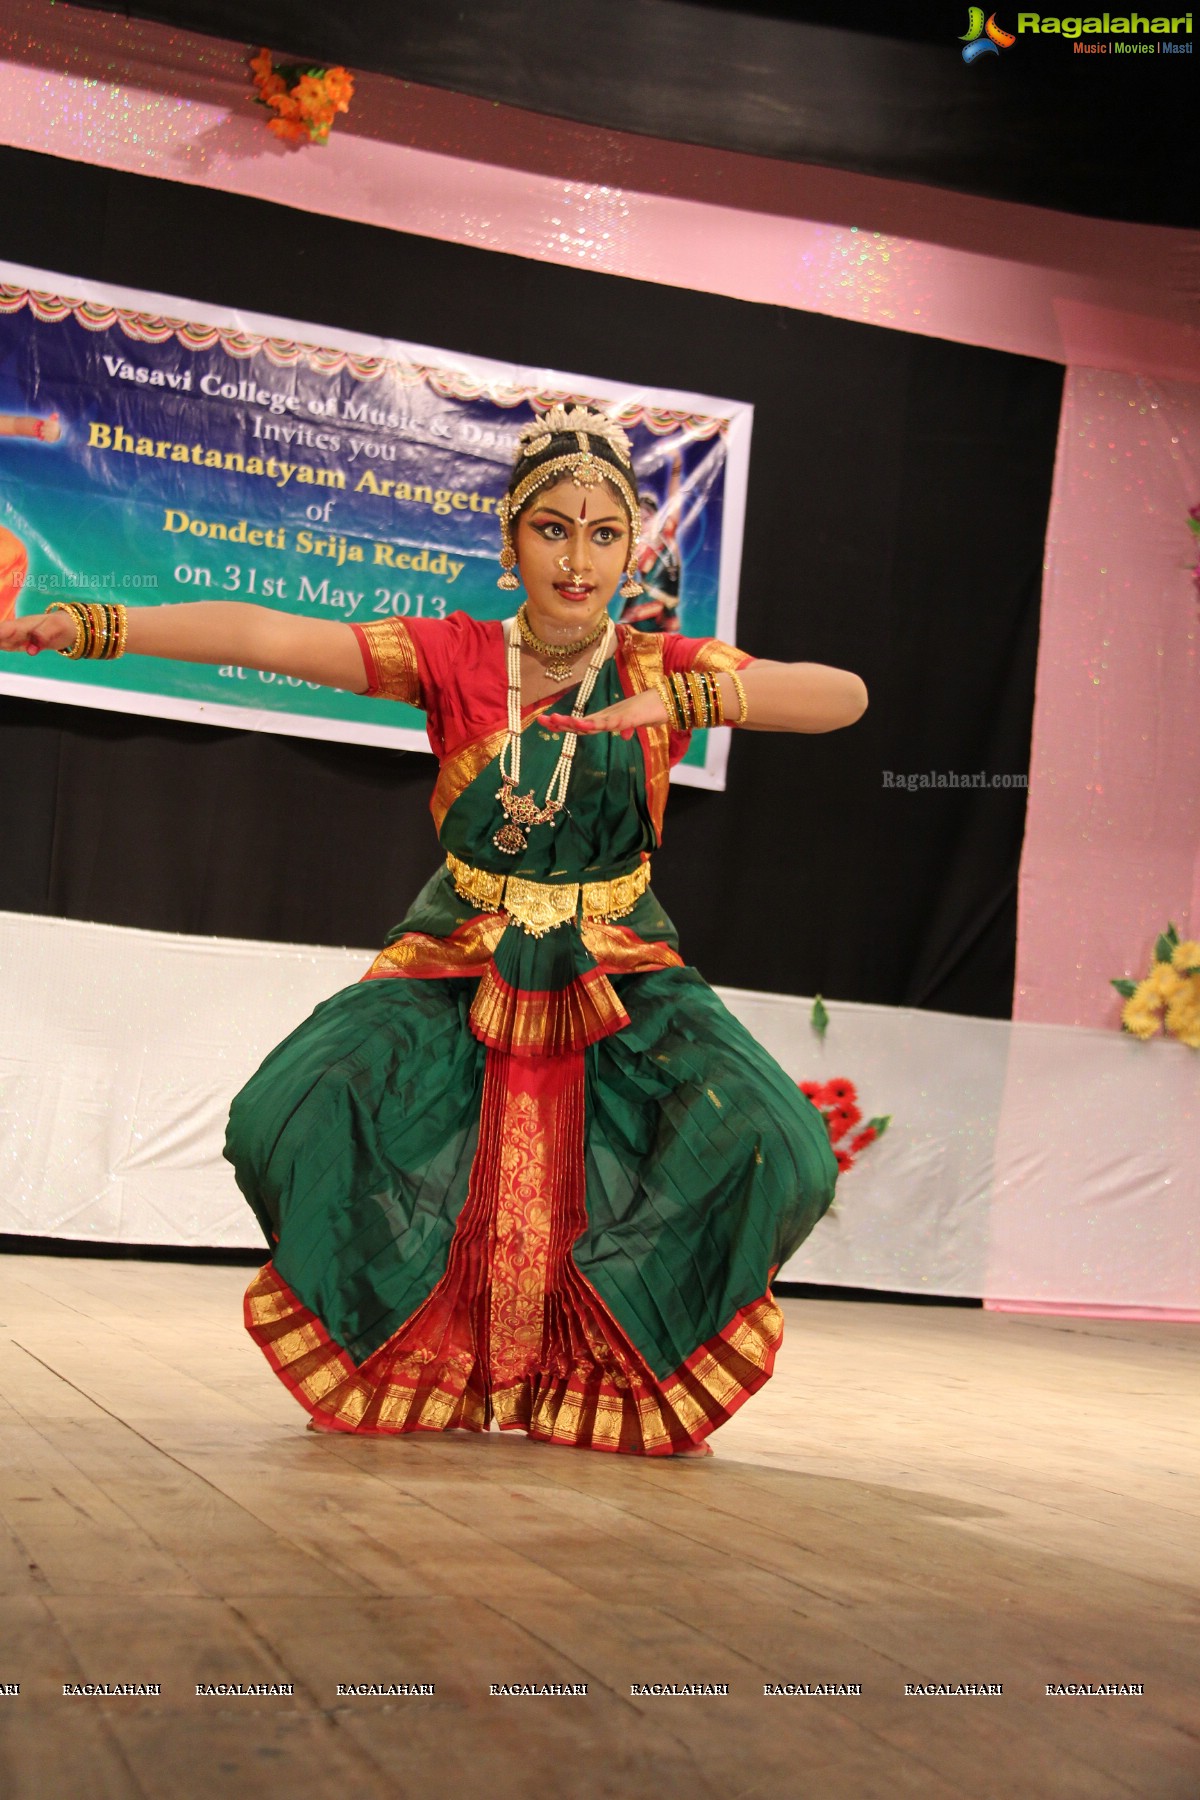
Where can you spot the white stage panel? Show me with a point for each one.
(1048, 1163)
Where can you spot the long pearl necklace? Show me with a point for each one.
(522, 810)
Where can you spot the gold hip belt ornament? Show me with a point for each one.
(539, 906)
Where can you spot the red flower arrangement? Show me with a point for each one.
(305, 101)
(837, 1102)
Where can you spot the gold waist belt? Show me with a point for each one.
(538, 906)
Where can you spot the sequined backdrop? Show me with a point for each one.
(141, 97)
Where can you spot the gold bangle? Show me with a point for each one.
(74, 650)
(695, 690)
(667, 695)
(114, 617)
(716, 699)
(683, 697)
(100, 629)
(740, 691)
(116, 630)
(675, 712)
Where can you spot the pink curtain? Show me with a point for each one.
(1112, 836)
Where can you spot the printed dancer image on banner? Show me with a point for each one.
(156, 450)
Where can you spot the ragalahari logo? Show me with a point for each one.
(983, 38)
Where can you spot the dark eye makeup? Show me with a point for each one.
(555, 531)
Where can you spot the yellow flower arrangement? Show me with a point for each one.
(1183, 1013)
(305, 101)
(1164, 980)
(1169, 995)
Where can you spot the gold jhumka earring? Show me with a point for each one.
(508, 558)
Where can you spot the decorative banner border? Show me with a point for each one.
(156, 450)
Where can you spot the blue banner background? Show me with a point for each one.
(366, 486)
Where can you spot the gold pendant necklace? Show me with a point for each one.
(561, 657)
(522, 810)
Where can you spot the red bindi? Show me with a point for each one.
(583, 509)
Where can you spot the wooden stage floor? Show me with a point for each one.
(921, 1495)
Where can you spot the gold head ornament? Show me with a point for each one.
(559, 420)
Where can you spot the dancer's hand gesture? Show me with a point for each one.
(38, 631)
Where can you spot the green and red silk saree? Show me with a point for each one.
(543, 1180)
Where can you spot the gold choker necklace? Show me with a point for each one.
(560, 658)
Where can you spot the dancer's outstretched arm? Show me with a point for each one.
(216, 631)
(779, 697)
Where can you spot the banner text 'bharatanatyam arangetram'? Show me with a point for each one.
(155, 450)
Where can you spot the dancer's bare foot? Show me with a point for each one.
(318, 1424)
(695, 1450)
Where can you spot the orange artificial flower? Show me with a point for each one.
(309, 94)
(305, 102)
(265, 79)
(340, 84)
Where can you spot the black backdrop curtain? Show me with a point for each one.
(874, 87)
(898, 495)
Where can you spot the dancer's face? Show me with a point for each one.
(572, 545)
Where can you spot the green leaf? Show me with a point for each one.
(1163, 948)
(1126, 988)
(880, 1124)
(1172, 933)
(1194, 525)
(819, 1018)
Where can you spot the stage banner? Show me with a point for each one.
(156, 450)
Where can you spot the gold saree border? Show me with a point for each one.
(619, 950)
(719, 658)
(641, 664)
(549, 1023)
(397, 675)
(459, 770)
(465, 952)
(521, 1238)
(460, 767)
(421, 1391)
(615, 1405)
